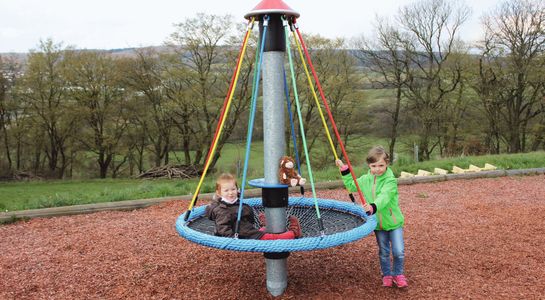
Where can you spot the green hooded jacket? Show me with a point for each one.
(382, 192)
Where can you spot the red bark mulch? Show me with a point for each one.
(478, 239)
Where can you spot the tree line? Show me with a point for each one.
(64, 110)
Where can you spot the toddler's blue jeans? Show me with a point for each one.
(393, 238)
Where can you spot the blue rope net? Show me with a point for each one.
(344, 222)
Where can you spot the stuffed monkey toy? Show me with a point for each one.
(287, 174)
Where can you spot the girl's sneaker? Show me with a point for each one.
(387, 281)
(401, 281)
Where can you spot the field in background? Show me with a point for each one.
(41, 194)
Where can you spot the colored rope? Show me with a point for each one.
(292, 125)
(225, 112)
(362, 198)
(251, 125)
(311, 85)
(301, 126)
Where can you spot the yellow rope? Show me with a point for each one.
(220, 129)
(315, 96)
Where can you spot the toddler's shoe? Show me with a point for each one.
(400, 281)
(387, 281)
(295, 226)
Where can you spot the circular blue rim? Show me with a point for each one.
(260, 183)
(301, 244)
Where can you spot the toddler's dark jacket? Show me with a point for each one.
(225, 217)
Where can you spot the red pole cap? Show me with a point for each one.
(272, 7)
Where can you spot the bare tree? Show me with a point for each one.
(144, 75)
(386, 63)
(431, 28)
(45, 94)
(485, 85)
(96, 87)
(456, 109)
(7, 78)
(337, 71)
(539, 131)
(512, 66)
(202, 45)
(13, 116)
(176, 88)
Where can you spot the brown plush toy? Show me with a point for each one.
(287, 174)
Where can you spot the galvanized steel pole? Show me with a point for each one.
(274, 145)
(275, 196)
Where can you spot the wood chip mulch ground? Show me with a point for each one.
(471, 239)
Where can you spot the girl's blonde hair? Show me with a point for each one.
(225, 177)
(377, 153)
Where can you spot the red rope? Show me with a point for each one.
(307, 55)
(229, 91)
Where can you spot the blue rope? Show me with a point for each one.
(293, 137)
(301, 244)
(251, 125)
(301, 126)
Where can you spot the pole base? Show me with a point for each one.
(277, 278)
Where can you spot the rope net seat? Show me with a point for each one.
(343, 222)
(325, 223)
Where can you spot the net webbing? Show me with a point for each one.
(334, 221)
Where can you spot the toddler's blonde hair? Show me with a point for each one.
(225, 177)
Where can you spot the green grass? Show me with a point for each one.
(377, 96)
(233, 155)
(41, 194)
(502, 161)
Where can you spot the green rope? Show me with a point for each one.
(255, 79)
(301, 126)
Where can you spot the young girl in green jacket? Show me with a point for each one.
(379, 187)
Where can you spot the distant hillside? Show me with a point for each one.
(129, 52)
(120, 52)
(21, 56)
(16, 56)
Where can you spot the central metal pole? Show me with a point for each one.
(274, 147)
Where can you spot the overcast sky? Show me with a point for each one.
(107, 24)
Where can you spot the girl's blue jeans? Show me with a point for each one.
(393, 240)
